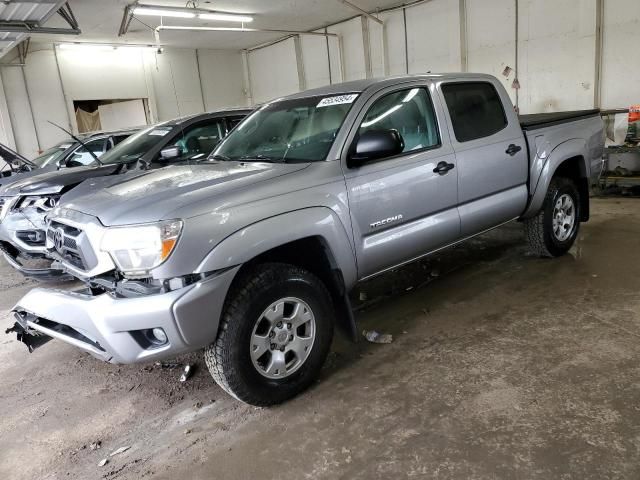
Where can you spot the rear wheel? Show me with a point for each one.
(554, 229)
(274, 336)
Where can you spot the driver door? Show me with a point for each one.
(400, 207)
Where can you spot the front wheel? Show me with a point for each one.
(274, 336)
(554, 229)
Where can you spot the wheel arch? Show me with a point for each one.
(568, 160)
(312, 238)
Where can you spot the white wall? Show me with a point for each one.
(490, 50)
(6, 131)
(556, 49)
(222, 79)
(350, 59)
(176, 83)
(557, 55)
(170, 82)
(315, 61)
(88, 74)
(24, 131)
(119, 115)
(620, 66)
(47, 98)
(433, 37)
(393, 43)
(273, 71)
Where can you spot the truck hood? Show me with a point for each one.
(51, 181)
(164, 193)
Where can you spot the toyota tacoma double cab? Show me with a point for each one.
(250, 256)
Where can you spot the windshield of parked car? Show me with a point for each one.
(299, 130)
(135, 146)
(52, 155)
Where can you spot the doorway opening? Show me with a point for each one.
(109, 115)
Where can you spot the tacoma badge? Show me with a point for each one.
(380, 223)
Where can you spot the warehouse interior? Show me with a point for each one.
(476, 361)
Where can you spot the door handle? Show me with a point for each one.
(512, 149)
(443, 167)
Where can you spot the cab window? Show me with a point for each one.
(410, 112)
(475, 109)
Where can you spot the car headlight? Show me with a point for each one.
(136, 249)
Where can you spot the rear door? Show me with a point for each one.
(401, 207)
(491, 154)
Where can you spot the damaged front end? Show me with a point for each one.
(23, 238)
(30, 337)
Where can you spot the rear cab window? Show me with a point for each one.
(475, 109)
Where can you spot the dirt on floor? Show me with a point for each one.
(502, 365)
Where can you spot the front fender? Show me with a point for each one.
(259, 237)
(546, 163)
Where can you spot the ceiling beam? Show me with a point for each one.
(363, 12)
(22, 27)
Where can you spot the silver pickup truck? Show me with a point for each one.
(251, 254)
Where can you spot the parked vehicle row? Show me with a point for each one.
(74, 152)
(250, 254)
(26, 200)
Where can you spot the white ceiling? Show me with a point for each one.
(100, 21)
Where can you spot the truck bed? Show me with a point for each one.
(542, 120)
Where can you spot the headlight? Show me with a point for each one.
(136, 249)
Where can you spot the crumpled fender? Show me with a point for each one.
(259, 237)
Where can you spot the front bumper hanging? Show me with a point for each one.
(31, 338)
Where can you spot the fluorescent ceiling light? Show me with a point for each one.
(161, 12)
(206, 29)
(225, 17)
(102, 46)
(85, 46)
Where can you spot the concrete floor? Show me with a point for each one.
(502, 366)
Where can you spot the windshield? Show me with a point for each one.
(52, 155)
(300, 130)
(135, 146)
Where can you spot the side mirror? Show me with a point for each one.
(169, 153)
(376, 144)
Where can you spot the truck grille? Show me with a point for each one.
(65, 241)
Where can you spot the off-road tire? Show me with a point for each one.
(539, 229)
(228, 358)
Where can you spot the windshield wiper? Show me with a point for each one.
(219, 156)
(259, 158)
(95, 157)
